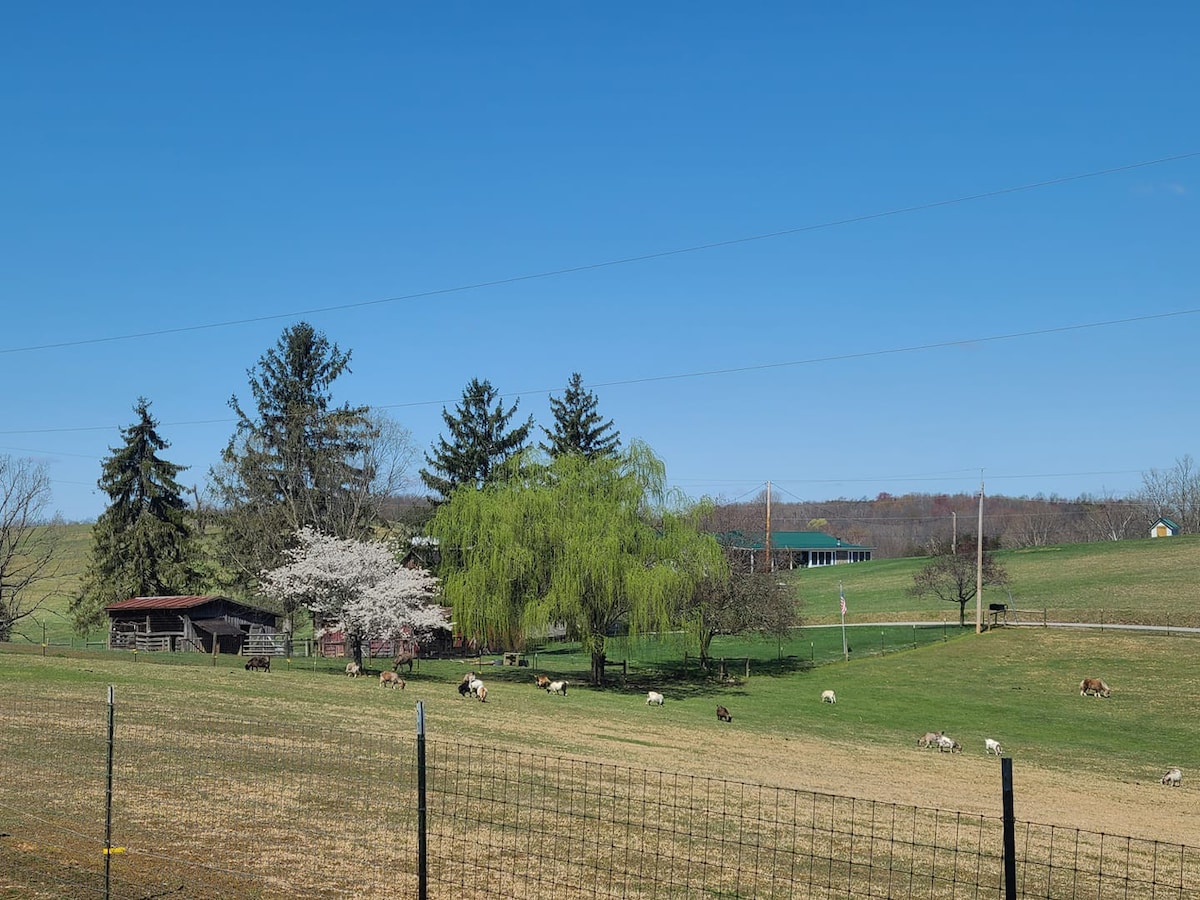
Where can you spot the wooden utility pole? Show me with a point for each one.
(979, 563)
(767, 542)
(953, 533)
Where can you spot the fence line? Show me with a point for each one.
(206, 807)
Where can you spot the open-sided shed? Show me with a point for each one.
(201, 623)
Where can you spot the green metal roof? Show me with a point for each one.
(792, 540)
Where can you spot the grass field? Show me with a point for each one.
(1143, 581)
(188, 726)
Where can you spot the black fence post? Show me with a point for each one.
(1010, 830)
(422, 867)
(108, 848)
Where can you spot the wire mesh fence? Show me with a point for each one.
(205, 807)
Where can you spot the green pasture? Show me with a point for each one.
(1018, 685)
(1141, 581)
(1148, 581)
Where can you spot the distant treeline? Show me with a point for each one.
(922, 524)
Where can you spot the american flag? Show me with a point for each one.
(842, 597)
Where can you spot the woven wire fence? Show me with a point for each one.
(205, 807)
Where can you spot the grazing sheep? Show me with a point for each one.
(391, 679)
(1094, 686)
(542, 681)
(948, 745)
(828, 697)
(1173, 777)
(259, 662)
(654, 698)
(557, 687)
(723, 715)
(929, 739)
(991, 746)
(353, 669)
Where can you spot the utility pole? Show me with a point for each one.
(979, 563)
(767, 542)
(953, 533)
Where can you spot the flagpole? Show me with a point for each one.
(845, 646)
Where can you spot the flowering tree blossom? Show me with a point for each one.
(359, 585)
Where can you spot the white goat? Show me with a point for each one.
(948, 745)
(828, 697)
(475, 685)
(1173, 777)
(557, 687)
(991, 746)
(353, 669)
(481, 692)
(654, 698)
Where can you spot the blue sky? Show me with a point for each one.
(201, 177)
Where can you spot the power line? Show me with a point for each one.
(622, 261)
(704, 373)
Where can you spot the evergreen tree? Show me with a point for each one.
(578, 428)
(480, 440)
(295, 460)
(143, 544)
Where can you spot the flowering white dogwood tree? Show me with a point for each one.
(358, 584)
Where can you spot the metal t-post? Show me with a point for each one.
(108, 800)
(422, 867)
(1010, 830)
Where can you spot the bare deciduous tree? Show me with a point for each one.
(952, 576)
(1174, 493)
(28, 541)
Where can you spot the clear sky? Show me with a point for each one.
(496, 191)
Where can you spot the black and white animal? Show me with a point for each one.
(992, 746)
(1173, 778)
(829, 697)
(557, 687)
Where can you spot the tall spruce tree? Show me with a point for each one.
(480, 440)
(143, 543)
(578, 428)
(295, 460)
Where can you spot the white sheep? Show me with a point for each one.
(828, 697)
(1173, 777)
(992, 746)
(654, 698)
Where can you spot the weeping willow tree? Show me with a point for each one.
(586, 543)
